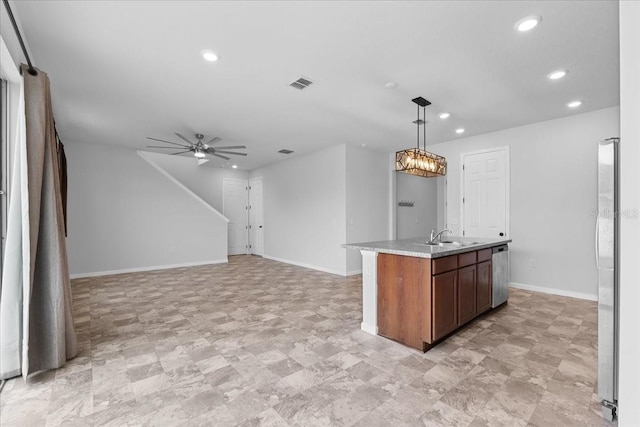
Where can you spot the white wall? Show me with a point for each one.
(553, 167)
(305, 210)
(125, 215)
(629, 389)
(11, 40)
(416, 221)
(367, 200)
(205, 180)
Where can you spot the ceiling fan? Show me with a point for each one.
(199, 149)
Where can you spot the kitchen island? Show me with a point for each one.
(418, 293)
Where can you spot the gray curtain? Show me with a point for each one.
(51, 337)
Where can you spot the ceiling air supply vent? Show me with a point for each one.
(301, 83)
(285, 151)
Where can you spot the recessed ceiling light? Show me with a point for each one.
(460, 130)
(444, 115)
(558, 74)
(390, 85)
(528, 23)
(574, 104)
(363, 145)
(234, 166)
(209, 55)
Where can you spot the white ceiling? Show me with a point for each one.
(121, 70)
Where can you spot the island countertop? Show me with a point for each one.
(419, 248)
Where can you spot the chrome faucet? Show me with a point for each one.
(438, 235)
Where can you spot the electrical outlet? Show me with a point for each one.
(534, 264)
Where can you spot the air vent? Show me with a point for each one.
(301, 83)
(285, 151)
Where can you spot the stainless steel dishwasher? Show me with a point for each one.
(500, 277)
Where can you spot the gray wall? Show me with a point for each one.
(630, 224)
(367, 200)
(304, 210)
(315, 203)
(416, 221)
(553, 167)
(125, 215)
(205, 180)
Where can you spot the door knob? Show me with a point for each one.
(501, 234)
(259, 226)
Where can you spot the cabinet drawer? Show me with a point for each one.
(465, 259)
(441, 265)
(484, 255)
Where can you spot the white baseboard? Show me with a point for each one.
(373, 330)
(150, 268)
(354, 272)
(305, 265)
(554, 291)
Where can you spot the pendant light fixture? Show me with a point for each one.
(418, 161)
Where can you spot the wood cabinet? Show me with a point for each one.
(484, 290)
(444, 303)
(400, 298)
(422, 300)
(466, 294)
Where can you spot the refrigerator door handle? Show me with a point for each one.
(597, 241)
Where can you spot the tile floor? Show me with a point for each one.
(257, 342)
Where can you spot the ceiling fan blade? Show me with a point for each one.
(218, 155)
(214, 140)
(166, 148)
(168, 142)
(183, 138)
(231, 152)
(181, 152)
(231, 147)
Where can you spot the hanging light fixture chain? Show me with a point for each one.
(424, 125)
(418, 127)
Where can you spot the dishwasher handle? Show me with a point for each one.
(498, 249)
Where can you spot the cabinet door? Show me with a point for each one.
(484, 287)
(466, 294)
(401, 299)
(444, 303)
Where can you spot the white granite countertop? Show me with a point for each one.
(419, 248)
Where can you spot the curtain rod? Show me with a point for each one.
(32, 70)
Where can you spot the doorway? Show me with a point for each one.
(235, 206)
(256, 217)
(485, 193)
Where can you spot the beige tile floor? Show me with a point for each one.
(257, 342)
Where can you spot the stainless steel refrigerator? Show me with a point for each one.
(606, 246)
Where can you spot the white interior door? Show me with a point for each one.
(485, 193)
(256, 217)
(235, 207)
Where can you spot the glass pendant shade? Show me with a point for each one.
(418, 161)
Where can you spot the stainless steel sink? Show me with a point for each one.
(456, 243)
(446, 243)
(439, 244)
(450, 243)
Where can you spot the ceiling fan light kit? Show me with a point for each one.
(418, 161)
(199, 149)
